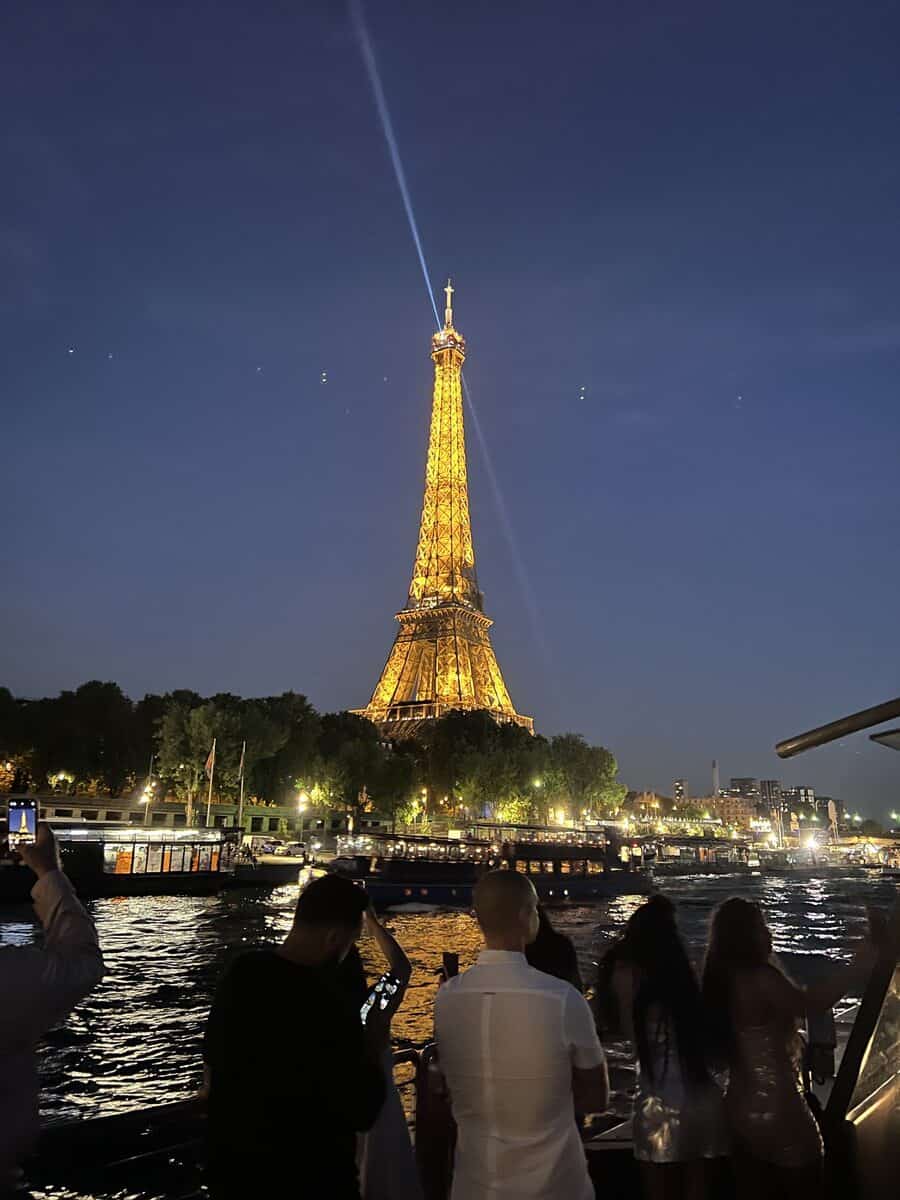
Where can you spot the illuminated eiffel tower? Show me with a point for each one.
(442, 658)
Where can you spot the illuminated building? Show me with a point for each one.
(442, 658)
(798, 799)
(733, 809)
(769, 795)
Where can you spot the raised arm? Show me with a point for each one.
(43, 984)
(398, 962)
(791, 1000)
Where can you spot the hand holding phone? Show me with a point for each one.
(42, 855)
(380, 996)
(21, 823)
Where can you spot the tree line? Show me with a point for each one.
(95, 740)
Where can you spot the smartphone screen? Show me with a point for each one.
(381, 994)
(21, 819)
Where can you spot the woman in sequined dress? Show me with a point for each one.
(647, 985)
(756, 1011)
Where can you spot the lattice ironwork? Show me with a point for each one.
(442, 658)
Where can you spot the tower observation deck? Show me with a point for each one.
(442, 658)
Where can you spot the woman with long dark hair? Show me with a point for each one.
(755, 1010)
(553, 953)
(646, 985)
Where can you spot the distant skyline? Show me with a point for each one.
(673, 237)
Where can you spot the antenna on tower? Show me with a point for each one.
(448, 311)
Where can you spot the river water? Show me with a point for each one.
(136, 1041)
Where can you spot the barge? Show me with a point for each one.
(127, 860)
(411, 869)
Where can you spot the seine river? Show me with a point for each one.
(136, 1040)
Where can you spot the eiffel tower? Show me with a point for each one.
(442, 658)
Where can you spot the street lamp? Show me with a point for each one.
(302, 802)
(537, 783)
(147, 794)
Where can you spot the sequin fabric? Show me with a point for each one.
(766, 1107)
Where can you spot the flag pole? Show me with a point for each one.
(212, 771)
(240, 819)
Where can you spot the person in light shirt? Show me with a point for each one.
(519, 1053)
(39, 986)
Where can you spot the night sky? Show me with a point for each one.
(674, 234)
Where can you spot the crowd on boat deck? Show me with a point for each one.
(719, 1100)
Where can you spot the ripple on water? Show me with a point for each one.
(137, 1039)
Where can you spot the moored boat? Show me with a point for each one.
(128, 860)
(674, 856)
(415, 869)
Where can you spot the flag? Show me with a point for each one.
(241, 765)
(211, 761)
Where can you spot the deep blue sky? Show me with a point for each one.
(689, 211)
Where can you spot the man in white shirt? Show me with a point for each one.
(39, 986)
(519, 1052)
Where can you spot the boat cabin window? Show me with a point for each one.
(161, 858)
(158, 818)
(521, 867)
(180, 819)
(136, 818)
(595, 868)
(89, 814)
(117, 859)
(62, 812)
(110, 816)
(882, 1061)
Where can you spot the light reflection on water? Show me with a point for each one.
(136, 1040)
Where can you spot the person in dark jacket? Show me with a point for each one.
(319, 1082)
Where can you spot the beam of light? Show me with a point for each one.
(358, 19)
(367, 50)
(537, 625)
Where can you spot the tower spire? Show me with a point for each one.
(448, 311)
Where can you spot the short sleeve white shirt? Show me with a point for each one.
(508, 1037)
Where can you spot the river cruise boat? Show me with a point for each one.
(128, 860)
(411, 870)
(670, 856)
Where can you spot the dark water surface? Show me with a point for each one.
(136, 1040)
